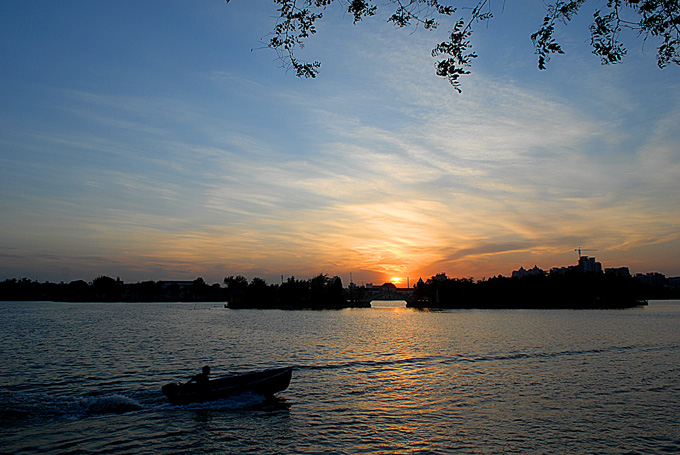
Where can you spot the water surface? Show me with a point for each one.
(86, 378)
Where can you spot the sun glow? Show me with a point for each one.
(395, 280)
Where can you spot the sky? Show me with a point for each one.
(162, 140)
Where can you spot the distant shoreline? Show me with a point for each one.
(554, 291)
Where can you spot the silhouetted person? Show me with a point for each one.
(201, 378)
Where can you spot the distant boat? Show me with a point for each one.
(265, 383)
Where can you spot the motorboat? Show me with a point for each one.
(265, 383)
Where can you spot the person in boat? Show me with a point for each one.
(201, 378)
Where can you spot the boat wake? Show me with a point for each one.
(112, 404)
(391, 361)
(20, 408)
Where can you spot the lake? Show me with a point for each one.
(85, 378)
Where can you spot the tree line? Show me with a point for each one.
(555, 290)
(573, 290)
(320, 291)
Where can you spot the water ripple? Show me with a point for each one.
(364, 381)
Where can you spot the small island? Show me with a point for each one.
(583, 286)
(321, 293)
(569, 291)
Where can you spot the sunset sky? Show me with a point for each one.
(160, 140)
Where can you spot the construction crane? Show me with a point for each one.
(579, 249)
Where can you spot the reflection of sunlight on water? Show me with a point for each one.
(388, 304)
(385, 380)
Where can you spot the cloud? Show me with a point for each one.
(377, 165)
(516, 173)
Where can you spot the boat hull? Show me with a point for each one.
(263, 383)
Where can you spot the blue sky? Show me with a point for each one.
(160, 140)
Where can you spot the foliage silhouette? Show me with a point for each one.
(574, 290)
(557, 290)
(296, 22)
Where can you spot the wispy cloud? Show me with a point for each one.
(377, 167)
